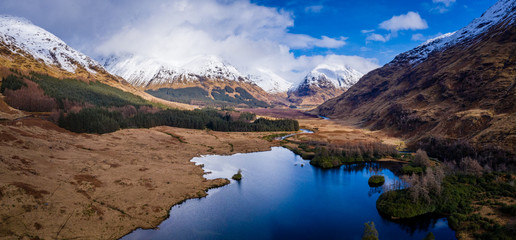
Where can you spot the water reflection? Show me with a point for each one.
(279, 199)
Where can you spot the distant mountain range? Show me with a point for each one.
(459, 89)
(200, 75)
(323, 83)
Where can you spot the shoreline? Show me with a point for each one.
(107, 186)
(58, 184)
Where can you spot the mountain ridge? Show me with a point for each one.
(463, 91)
(323, 83)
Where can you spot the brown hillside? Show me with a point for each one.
(25, 63)
(466, 92)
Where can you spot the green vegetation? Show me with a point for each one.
(90, 119)
(183, 95)
(94, 107)
(247, 116)
(326, 155)
(409, 170)
(180, 139)
(418, 163)
(429, 236)
(219, 96)
(509, 209)
(399, 204)
(238, 175)
(370, 232)
(457, 199)
(376, 180)
(271, 137)
(93, 120)
(12, 82)
(95, 93)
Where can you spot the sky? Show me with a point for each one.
(288, 38)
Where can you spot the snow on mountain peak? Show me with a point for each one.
(270, 81)
(18, 33)
(501, 11)
(142, 71)
(339, 76)
(213, 67)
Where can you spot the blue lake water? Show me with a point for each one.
(280, 199)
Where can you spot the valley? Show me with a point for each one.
(213, 128)
(60, 184)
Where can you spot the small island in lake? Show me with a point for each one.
(376, 180)
(238, 175)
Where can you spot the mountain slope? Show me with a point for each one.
(323, 83)
(457, 88)
(30, 47)
(26, 48)
(203, 80)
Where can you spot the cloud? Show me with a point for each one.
(446, 3)
(442, 5)
(409, 21)
(378, 37)
(367, 31)
(314, 9)
(174, 32)
(418, 37)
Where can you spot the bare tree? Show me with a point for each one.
(470, 166)
(421, 159)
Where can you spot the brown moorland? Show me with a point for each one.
(55, 184)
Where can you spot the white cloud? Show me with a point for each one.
(378, 37)
(442, 5)
(409, 21)
(367, 31)
(246, 35)
(314, 9)
(446, 3)
(418, 37)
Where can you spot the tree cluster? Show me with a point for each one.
(331, 155)
(91, 119)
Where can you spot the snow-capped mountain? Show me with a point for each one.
(499, 12)
(458, 88)
(22, 37)
(270, 81)
(143, 72)
(324, 82)
(325, 76)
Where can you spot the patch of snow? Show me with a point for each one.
(19, 33)
(337, 76)
(503, 10)
(142, 71)
(270, 81)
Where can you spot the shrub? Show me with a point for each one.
(376, 180)
(509, 209)
(370, 232)
(409, 170)
(429, 236)
(238, 175)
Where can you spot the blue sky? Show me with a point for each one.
(277, 39)
(336, 18)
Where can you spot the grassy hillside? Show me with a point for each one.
(226, 96)
(94, 107)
